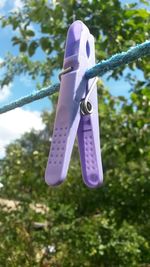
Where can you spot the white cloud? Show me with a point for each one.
(5, 92)
(10, 6)
(2, 3)
(26, 80)
(1, 60)
(17, 4)
(16, 122)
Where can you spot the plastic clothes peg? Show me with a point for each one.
(77, 112)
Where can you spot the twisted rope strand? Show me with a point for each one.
(119, 59)
(30, 98)
(99, 69)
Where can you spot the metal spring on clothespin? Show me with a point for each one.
(85, 105)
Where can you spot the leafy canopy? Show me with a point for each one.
(72, 225)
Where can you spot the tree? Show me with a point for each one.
(115, 27)
(77, 226)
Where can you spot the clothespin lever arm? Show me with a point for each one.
(85, 105)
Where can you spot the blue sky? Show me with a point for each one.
(23, 85)
(27, 116)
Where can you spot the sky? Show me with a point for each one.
(14, 123)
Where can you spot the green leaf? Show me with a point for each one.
(23, 47)
(45, 44)
(15, 40)
(32, 48)
(30, 33)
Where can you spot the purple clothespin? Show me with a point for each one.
(77, 112)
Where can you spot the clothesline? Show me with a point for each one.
(99, 69)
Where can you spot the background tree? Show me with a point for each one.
(72, 225)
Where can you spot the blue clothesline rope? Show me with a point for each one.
(119, 59)
(99, 69)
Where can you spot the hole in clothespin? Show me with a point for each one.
(87, 48)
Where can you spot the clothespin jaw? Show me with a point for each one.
(74, 115)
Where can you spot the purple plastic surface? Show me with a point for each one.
(80, 55)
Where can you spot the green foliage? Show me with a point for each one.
(108, 226)
(72, 225)
(116, 27)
